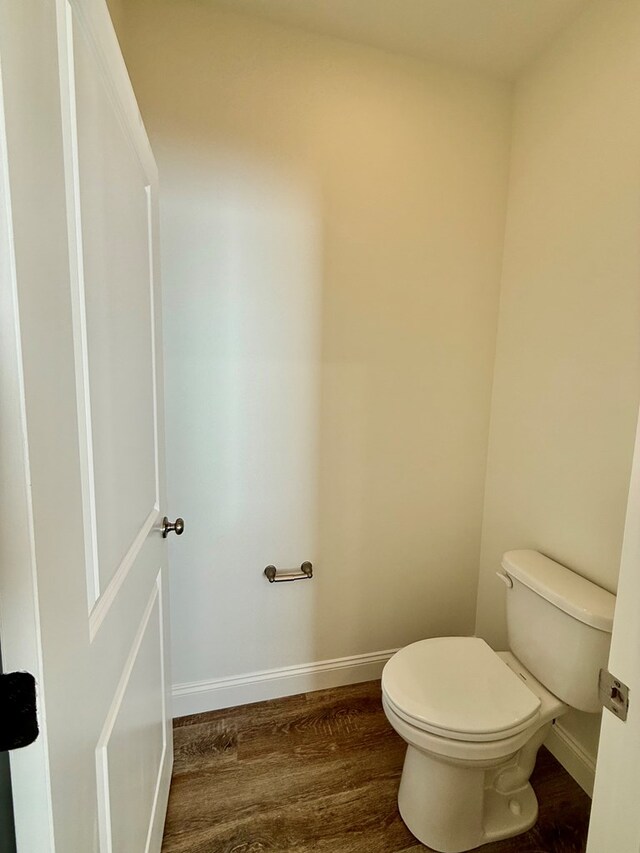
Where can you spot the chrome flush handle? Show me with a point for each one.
(177, 526)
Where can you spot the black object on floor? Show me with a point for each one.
(17, 710)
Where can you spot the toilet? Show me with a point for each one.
(474, 719)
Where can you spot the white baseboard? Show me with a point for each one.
(572, 756)
(197, 697)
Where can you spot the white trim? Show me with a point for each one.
(575, 760)
(78, 298)
(152, 325)
(197, 697)
(97, 615)
(21, 637)
(164, 764)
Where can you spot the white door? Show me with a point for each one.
(83, 562)
(615, 815)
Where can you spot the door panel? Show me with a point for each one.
(114, 320)
(131, 749)
(84, 564)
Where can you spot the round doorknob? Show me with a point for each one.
(177, 527)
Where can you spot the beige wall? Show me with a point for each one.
(566, 386)
(332, 233)
(332, 226)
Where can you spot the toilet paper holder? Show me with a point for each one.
(274, 575)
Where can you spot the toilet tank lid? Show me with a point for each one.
(568, 591)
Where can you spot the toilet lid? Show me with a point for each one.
(459, 688)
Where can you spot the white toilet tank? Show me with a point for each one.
(559, 626)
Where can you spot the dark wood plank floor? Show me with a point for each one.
(319, 773)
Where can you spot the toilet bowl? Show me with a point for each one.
(474, 719)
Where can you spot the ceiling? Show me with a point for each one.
(498, 37)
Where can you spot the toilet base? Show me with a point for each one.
(453, 808)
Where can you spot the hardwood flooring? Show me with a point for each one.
(319, 773)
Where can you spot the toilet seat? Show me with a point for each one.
(458, 688)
